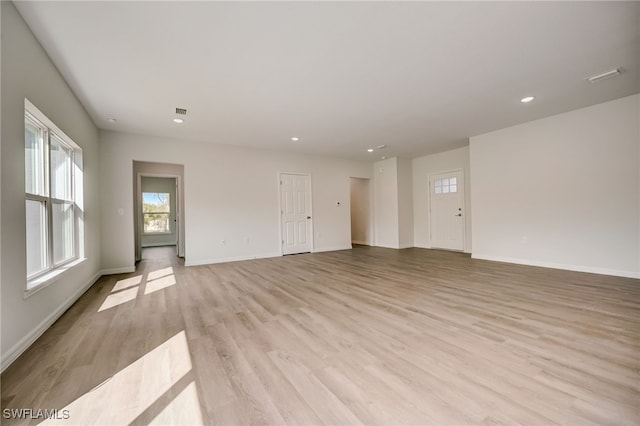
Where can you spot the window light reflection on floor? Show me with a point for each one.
(160, 273)
(132, 392)
(184, 409)
(126, 283)
(119, 298)
(159, 284)
(126, 290)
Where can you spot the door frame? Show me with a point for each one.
(371, 228)
(179, 214)
(279, 184)
(464, 207)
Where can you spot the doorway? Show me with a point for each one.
(296, 226)
(360, 198)
(446, 224)
(159, 215)
(158, 206)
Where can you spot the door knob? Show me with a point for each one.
(459, 214)
(308, 217)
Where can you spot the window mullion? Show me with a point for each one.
(76, 241)
(48, 202)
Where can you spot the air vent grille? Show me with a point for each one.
(181, 111)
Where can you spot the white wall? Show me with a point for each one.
(561, 192)
(167, 186)
(405, 203)
(230, 194)
(385, 190)
(423, 167)
(27, 72)
(360, 211)
(393, 203)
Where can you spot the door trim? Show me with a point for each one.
(370, 211)
(464, 207)
(179, 213)
(278, 184)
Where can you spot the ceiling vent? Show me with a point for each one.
(181, 111)
(608, 74)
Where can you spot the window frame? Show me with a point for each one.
(144, 232)
(52, 269)
(451, 187)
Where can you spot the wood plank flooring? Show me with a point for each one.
(365, 336)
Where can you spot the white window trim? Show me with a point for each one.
(146, 233)
(51, 276)
(47, 277)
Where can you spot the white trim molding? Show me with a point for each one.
(543, 264)
(199, 262)
(16, 350)
(334, 248)
(123, 270)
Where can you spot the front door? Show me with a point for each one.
(295, 211)
(447, 215)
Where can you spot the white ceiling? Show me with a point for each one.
(420, 77)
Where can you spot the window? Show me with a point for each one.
(447, 185)
(156, 210)
(52, 172)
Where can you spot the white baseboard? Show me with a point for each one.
(567, 267)
(335, 248)
(197, 262)
(158, 244)
(123, 270)
(386, 246)
(428, 246)
(24, 343)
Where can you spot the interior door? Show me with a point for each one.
(295, 211)
(447, 210)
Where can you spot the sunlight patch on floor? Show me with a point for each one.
(119, 298)
(127, 394)
(126, 290)
(183, 410)
(160, 273)
(159, 284)
(126, 283)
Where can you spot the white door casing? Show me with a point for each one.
(295, 213)
(446, 195)
(180, 249)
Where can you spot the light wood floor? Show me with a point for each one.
(363, 336)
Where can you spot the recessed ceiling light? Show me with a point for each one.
(178, 120)
(370, 150)
(295, 139)
(527, 99)
(111, 120)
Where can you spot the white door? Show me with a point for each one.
(295, 211)
(447, 210)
